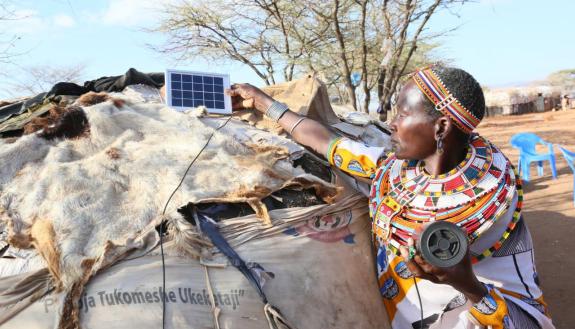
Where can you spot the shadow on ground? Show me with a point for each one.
(541, 182)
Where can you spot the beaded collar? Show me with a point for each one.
(473, 195)
(479, 173)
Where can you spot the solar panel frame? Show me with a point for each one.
(184, 90)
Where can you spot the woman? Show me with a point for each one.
(439, 170)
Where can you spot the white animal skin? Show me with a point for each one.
(77, 200)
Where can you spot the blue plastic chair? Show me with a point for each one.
(570, 158)
(526, 143)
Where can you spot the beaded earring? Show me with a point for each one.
(440, 145)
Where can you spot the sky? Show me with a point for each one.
(500, 42)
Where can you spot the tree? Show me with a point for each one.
(36, 79)
(564, 79)
(257, 33)
(380, 52)
(375, 39)
(7, 42)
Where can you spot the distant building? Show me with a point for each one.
(520, 100)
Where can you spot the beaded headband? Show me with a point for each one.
(429, 83)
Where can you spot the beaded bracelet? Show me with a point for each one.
(487, 305)
(276, 110)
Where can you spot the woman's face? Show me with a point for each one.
(413, 130)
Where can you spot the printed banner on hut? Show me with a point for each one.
(180, 295)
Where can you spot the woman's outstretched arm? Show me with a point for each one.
(354, 158)
(305, 131)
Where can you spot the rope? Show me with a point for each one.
(275, 318)
(215, 310)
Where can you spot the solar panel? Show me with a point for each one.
(187, 89)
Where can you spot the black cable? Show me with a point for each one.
(161, 230)
(163, 275)
(420, 303)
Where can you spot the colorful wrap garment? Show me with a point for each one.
(483, 196)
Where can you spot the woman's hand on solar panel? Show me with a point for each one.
(460, 276)
(246, 96)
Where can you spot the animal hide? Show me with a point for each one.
(83, 203)
(307, 96)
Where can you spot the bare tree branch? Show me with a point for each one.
(36, 79)
(7, 42)
(378, 39)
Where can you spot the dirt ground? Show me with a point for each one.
(548, 207)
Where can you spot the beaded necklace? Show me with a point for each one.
(473, 195)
